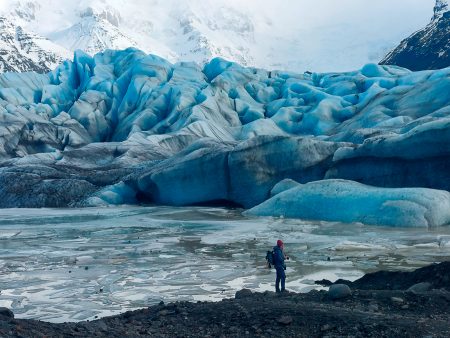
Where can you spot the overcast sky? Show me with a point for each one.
(382, 14)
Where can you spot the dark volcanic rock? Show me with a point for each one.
(438, 275)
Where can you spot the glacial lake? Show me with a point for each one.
(76, 264)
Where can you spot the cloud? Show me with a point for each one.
(316, 13)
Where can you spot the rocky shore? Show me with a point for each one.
(381, 304)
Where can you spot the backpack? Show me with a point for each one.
(270, 258)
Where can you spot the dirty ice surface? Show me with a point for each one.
(75, 264)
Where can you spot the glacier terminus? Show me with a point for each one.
(125, 127)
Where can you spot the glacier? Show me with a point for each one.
(124, 127)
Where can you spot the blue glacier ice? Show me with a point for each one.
(130, 128)
(348, 201)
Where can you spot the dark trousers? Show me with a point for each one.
(281, 277)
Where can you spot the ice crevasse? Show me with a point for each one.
(125, 127)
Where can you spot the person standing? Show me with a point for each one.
(280, 266)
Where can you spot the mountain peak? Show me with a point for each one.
(109, 14)
(22, 50)
(427, 48)
(93, 33)
(440, 8)
(25, 10)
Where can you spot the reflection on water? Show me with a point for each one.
(74, 264)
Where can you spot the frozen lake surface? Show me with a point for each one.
(75, 264)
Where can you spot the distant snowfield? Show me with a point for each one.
(288, 35)
(74, 264)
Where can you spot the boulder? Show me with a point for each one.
(339, 291)
(5, 312)
(284, 320)
(420, 288)
(244, 293)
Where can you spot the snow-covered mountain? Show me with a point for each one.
(93, 33)
(22, 50)
(428, 48)
(253, 33)
(173, 31)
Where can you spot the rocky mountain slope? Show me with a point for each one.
(428, 48)
(22, 50)
(126, 127)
